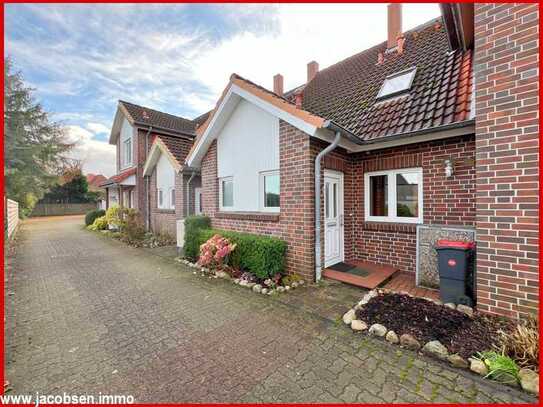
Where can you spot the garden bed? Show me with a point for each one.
(491, 346)
(266, 286)
(428, 321)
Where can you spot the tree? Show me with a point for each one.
(72, 187)
(35, 147)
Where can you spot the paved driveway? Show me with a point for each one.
(86, 315)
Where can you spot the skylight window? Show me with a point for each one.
(397, 83)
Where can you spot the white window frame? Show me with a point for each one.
(160, 198)
(198, 200)
(392, 207)
(127, 151)
(171, 198)
(126, 199)
(411, 71)
(221, 207)
(261, 192)
(131, 197)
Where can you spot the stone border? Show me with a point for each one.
(529, 380)
(257, 288)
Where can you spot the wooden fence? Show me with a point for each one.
(43, 209)
(11, 217)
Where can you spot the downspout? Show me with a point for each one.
(147, 192)
(188, 191)
(318, 160)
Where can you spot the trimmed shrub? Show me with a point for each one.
(98, 224)
(193, 225)
(113, 216)
(263, 256)
(92, 215)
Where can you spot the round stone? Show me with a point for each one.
(264, 291)
(436, 348)
(358, 325)
(257, 288)
(378, 330)
(529, 381)
(478, 366)
(458, 361)
(409, 342)
(392, 337)
(465, 309)
(349, 316)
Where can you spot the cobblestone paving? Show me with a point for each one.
(86, 314)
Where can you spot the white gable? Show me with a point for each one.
(247, 145)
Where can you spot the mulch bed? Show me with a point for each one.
(427, 321)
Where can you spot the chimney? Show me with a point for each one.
(278, 84)
(312, 69)
(394, 24)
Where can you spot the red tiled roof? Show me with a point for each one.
(440, 93)
(95, 179)
(177, 146)
(119, 177)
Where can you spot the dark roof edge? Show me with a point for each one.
(335, 127)
(398, 136)
(164, 130)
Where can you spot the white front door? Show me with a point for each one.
(197, 201)
(333, 217)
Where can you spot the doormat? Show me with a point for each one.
(349, 268)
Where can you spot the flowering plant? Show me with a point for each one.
(214, 252)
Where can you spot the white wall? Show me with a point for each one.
(126, 133)
(165, 179)
(247, 145)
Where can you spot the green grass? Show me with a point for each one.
(500, 367)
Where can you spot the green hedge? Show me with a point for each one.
(92, 215)
(264, 256)
(193, 224)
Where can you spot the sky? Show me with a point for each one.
(177, 58)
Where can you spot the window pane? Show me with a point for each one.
(407, 199)
(379, 195)
(271, 191)
(227, 193)
(397, 83)
(334, 200)
(327, 199)
(160, 198)
(172, 198)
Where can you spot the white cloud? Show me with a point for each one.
(98, 128)
(182, 69)
(326, 33)
(98, 157)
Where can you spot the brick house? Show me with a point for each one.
(136, 133)
(393, 141)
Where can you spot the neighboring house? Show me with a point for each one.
(135, 131)
(386, 140)
(94, 181)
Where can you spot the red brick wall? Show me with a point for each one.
(447, 201)
(295, 222)
(507, 103)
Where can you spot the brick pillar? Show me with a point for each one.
(297, 199)
(507, 157)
